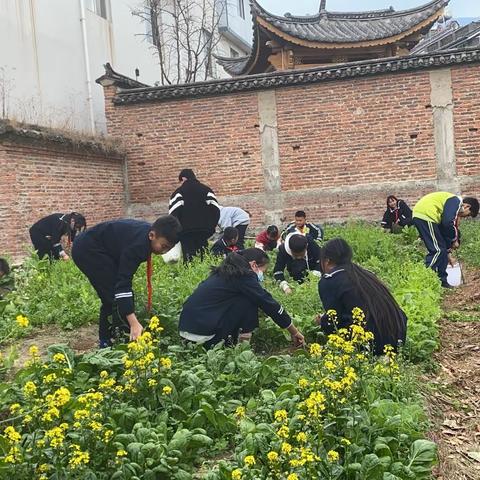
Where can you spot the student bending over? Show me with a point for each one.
(226, 304)
(345, 285)
(227, 244)
(269, 239)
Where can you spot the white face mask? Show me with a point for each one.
(260, 276)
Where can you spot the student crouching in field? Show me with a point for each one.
(301, 226)
(345, 286)
(109, 254)
(269, 239)
(47, 233)
(397, 215)
(227, 244)
(235, 217)
(299, 254)
(225, 306)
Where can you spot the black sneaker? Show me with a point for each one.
(447, 285)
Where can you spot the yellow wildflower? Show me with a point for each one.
(301, 437)
(333, 456)
(59, 358)
(281, 416)
(166, 362)
(293, 476)
(286, 448)
(152, 382)
(121, 453)
(14, 407)
(303, 383)
(240, 412)
(272, 456)
(283, 431)
(33, 351)
(249, 461)
(12, 435)
(78, 458)
(22, 321)
(315, 349)
(167, 390)
(236, 474)
(50, 378)
(30, 389)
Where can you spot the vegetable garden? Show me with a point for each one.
(157, 409)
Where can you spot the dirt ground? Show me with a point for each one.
(454, 402)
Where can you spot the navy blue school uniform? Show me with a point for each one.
(109, 254)
(298, 269)
(221, 248)
(400, 215)
(223, 308)
(46, 235)
(338, 293)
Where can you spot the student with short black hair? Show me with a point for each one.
(235, 217)
(345, 286)
(269, 239)
(299, 254)
(109, 254)
(227, 244)
(397, 215)
(301, 226)
(436, 217)
(225, 306)
(196, 207)
(47, 233)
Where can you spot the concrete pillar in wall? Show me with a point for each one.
(267, 109)
(443, 127)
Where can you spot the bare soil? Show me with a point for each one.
(454, 402)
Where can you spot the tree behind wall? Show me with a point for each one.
(183, 35)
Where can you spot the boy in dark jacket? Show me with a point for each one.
(109, 254)
(197, 209)
(436, 217)
(227, 244)
(298, 255)
(397, 215)
(47, 233)
(301, 226)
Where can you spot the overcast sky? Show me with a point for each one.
(458, 8)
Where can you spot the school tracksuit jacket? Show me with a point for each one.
(109, 254)
(46, 235)
(312, 231)
(197, 209)
(436, 217)
(401, 215)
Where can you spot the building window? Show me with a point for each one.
(234, 53)
(99, 7)
(241, 8)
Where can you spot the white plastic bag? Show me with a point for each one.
(173, 255)
(454, 275)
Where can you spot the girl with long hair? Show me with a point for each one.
(225, 306)
(345, 285)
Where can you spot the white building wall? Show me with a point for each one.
(43, 76)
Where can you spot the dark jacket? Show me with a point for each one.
(196, 207)
(126, 244)
(312, 231)
(226, 306)
(297, 269)
(338, 293)
(401, 215)
(51, 229)
(221, 248)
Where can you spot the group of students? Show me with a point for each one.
(224, 307)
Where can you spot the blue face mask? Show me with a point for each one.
(260, 276)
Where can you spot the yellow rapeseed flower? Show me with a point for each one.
(333, 456)
(283, 431)
(303, 383)
(121, 453)
(301, 437)
(236, 474)
(166, 362)
(286, 448)
(281, 416)
(272, 456)
(33, 351)
(240, 412)
(249, 461)
(12, 435)
(22, 321)
(30, 389)
(14, 408)
(167, 390)
(293, 476)
(59, 358)
(78, 458)
(152, 382)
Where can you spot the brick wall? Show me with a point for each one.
(342, 145)
(42, 177)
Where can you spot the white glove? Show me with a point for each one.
(285, 286)
(316, 273)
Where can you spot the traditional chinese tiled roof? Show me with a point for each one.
(121, 81)
(335, 27)
(298, 77)
(334, 30)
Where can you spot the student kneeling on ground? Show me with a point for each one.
(345, 285)
(269, 239)
(436, 217)
(299, 255)
(227, 244)
(301, 226)
(226, 304)
(109, 254)
(397, 215)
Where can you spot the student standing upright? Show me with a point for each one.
(196, 207)
(109, 254)
(436, 217)
(235, 217)
(301, 226)
(47, 233)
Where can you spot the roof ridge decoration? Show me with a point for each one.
(280, 79)
(111, 77)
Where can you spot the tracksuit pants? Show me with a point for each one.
(194, 244)
(42, 245)
(437, 257)
(101, 271)
(242, 230)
